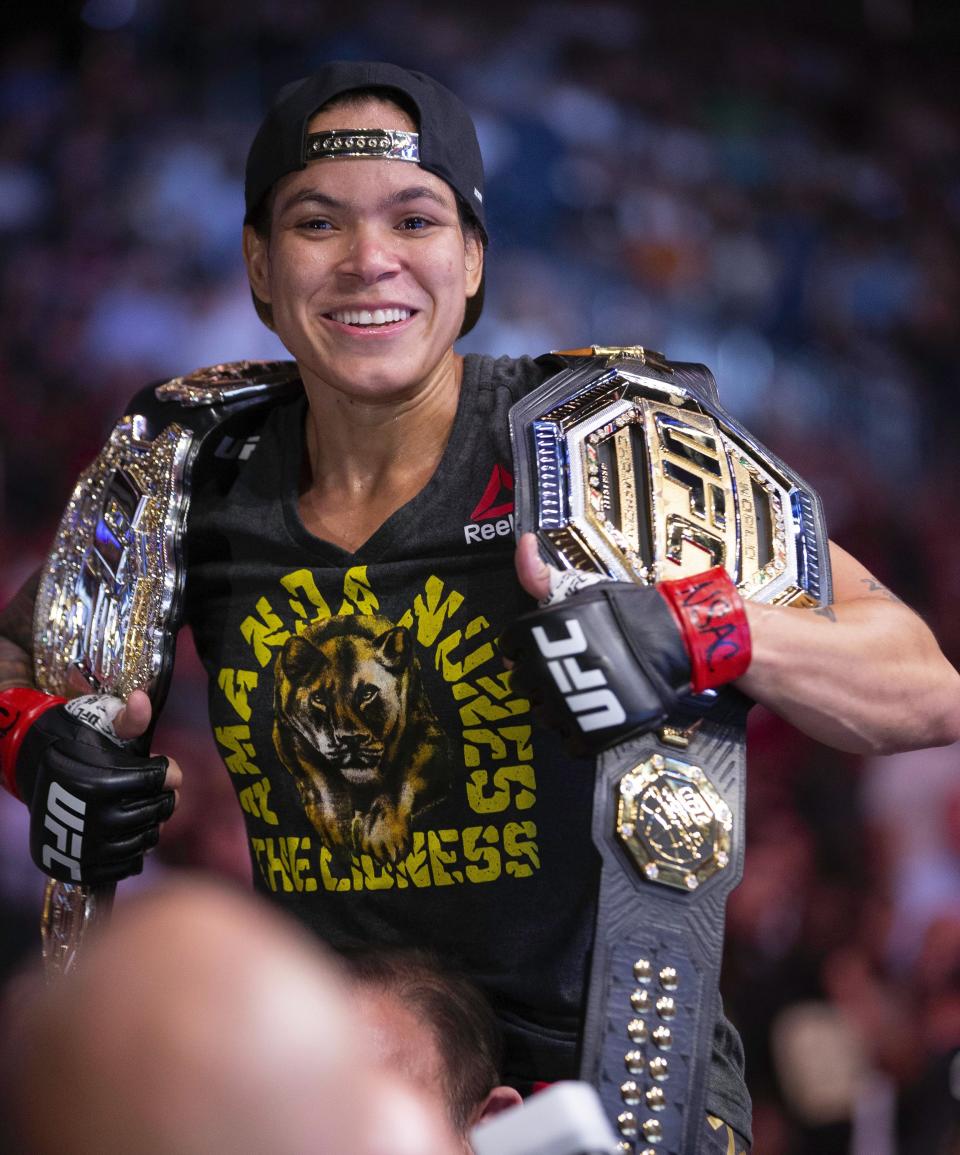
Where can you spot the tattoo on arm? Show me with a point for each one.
(876, 587)
(16, 636)
(826, 612)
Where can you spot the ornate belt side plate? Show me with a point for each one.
(106, 594)
(108, 603)
(625, 470)
(230, 381)
(104, 611)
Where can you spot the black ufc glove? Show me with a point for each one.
(614, 659)
(95, 807)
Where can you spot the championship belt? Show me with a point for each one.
(110, 597)
(628, 466)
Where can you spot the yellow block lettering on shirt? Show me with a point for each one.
(482, 709)
(454, 670)
(236, 739)
(236, 685)
(358, 596)
(518, 843)
(306, 597)
(476, 855)
(265, 633)
(430, 611)
(495, 745)
(282, 865)
(512, 785)
(253, 799)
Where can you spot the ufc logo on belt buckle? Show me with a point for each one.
(629, 473)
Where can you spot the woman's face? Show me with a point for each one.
(366, 268)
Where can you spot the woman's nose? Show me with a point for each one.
(371, 254)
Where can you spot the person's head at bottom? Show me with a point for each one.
(437, 1027)
(203, 1021)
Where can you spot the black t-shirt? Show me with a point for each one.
(394, 786)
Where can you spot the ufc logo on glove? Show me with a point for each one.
(594, 708)
(64, 813)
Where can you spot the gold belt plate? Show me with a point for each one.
(658, 487)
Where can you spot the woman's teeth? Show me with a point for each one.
(370, 317)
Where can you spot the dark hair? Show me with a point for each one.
(260, 216)
(460, 1017)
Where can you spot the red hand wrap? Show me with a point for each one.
(19, 709)
(713, 621)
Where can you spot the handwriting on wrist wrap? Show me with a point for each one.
(709, 612)
(713, 621)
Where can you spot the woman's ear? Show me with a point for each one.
(256, 256)
(473, 262)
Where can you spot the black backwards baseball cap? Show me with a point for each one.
(445, 142)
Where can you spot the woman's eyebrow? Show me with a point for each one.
(401, 197)
(415, 193)
(311, 196)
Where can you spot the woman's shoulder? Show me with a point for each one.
(515, 376)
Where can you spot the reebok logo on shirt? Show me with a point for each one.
(493, 516)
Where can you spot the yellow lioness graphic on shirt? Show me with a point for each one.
(357, 732)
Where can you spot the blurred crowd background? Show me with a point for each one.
(778, 197)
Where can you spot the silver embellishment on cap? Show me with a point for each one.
(382, 143)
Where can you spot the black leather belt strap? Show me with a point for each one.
(669, 833)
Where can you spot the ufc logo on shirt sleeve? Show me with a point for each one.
(589, 698)
(64, 819)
